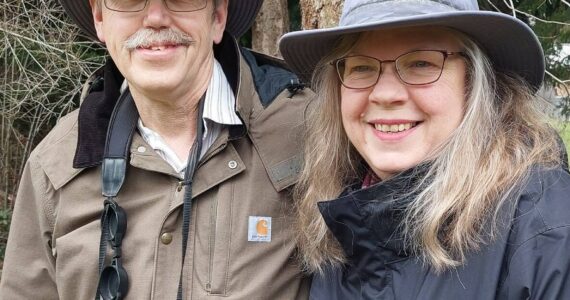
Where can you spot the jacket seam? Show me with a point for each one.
(47, 211)
(542, 232)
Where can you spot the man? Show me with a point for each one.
(176, 72)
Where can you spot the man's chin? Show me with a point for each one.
(155, 85)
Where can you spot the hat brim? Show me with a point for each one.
(510, 44)
(241, 14)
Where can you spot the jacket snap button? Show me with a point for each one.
(166, 238)
(141, 149)
(232, 164)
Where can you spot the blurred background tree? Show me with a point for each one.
(45, 60)
(550, 20)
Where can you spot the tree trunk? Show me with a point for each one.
(320, 13)
(271, 23)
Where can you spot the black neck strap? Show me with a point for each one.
(119, 136)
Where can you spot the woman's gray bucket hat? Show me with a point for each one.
(510, 44)
(241, 14)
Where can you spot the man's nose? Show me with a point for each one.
(157, 14)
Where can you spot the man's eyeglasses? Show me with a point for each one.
(139, 5)
(113, 280)
(414, 68)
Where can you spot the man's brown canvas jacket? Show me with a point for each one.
(246, 175)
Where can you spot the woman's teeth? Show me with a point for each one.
(394, 127)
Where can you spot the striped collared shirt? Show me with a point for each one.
(219, 111)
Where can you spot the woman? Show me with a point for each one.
(426, 130)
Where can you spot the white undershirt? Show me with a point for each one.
(219, 110)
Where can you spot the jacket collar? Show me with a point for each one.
(367, 222)
(95, 113)
(103, 92)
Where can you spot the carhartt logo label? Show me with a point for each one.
(259, 229)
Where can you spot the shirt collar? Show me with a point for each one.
(158, 144)
(219, 105)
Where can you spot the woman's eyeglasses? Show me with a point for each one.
(413, 68)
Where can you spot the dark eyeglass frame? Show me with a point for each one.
(336, 64)
(165, 4)
(113, 280)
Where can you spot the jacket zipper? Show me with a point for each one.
(213, 213)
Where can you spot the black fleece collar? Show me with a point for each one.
(94, 115)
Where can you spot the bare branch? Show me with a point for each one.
(513, 8)
(567, 81)
(493, 5)
(41, 72)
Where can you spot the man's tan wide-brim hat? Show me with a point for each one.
(510, 44)
(241, 14)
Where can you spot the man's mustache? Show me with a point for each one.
(146, 37)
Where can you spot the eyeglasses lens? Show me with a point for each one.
(113, 281)
(117, 223)
(420, 67)
(358, 72)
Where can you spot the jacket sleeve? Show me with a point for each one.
(540, 268)
(29, 266)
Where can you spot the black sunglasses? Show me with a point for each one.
(113, 280)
